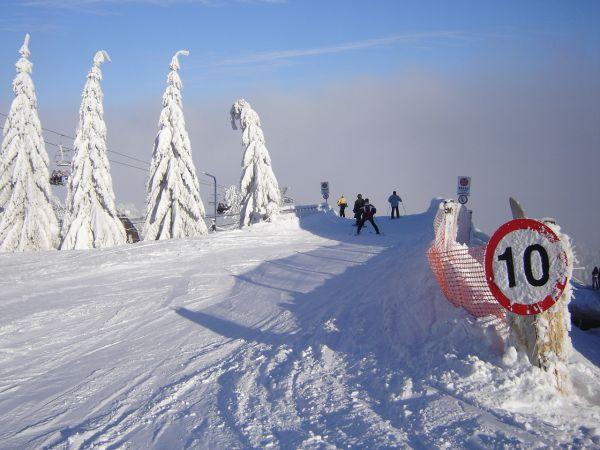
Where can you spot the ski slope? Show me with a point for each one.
(294, 334)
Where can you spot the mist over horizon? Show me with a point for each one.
(414, 132)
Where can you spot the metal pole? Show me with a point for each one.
(215, 182)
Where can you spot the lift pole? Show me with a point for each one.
(215, 185)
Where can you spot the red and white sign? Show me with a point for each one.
(526, 266)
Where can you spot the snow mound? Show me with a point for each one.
(291, 334)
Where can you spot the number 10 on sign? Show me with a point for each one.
(526, 266)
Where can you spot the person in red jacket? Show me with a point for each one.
(368, 212)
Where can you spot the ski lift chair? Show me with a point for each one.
(59, 177)
(62, 160)
(221, 208)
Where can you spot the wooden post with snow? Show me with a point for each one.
(544, 337)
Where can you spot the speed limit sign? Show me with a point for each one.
(526, 266)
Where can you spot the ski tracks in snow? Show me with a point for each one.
(270, 337)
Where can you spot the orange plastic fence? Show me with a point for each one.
(459, 269)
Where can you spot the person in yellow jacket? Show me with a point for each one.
(342, 203)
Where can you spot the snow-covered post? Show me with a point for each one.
(28, 221)
(545, 337)
(174, 208)
(259, 189)
(91, 219)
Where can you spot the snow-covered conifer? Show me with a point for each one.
(28, 221)
(174, 208)
(91, 217)
(259, 189)
(233, 199)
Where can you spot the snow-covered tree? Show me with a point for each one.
(233, 198)
(174, 208)
(259, 189)
(28, 221)
(91, 217)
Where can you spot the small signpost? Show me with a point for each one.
(325, 189)
(463, 189)
(526, 266)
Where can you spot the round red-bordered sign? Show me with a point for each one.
(526, 266)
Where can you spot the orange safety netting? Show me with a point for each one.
(458, 268)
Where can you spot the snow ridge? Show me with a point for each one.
(28, 222)
(91, 217)
(258, 185)
(174, 208)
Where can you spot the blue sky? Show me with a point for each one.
(370, 95)
(290, 44)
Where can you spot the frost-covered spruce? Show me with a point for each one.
(233, 199)
(28, 221)
(174, 208)
(91, 217)
(260, 192)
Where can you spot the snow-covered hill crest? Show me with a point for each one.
(293, 334)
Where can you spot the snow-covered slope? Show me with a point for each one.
(585, 306)
(294, 334)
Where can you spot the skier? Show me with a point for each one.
(221, 208)
(595, 274)
(359, 203)
(394, 200)
(342, 203)
(367, 214)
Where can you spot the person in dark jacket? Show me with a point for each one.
(342, 203)
(367, 214)
(359, 203)
(595, 274)
(394, 201)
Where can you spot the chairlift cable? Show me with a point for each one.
(61, 135)
(111, 160)
(205, 183)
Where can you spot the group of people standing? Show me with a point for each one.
(364, 211)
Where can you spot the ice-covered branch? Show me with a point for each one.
(100, 57)
(175, 60)
(24, 50)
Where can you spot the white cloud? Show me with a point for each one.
(413, 38)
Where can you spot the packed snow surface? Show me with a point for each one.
(292, 334)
